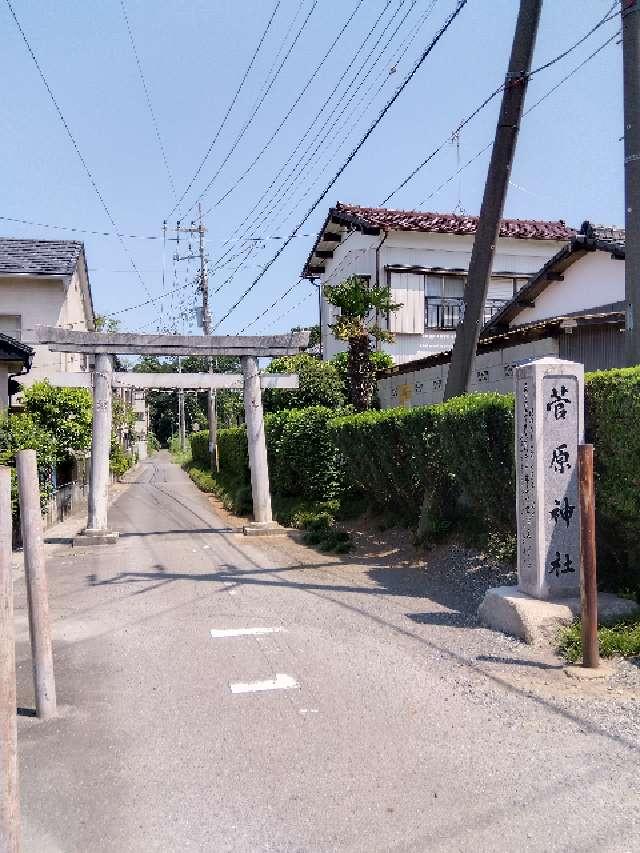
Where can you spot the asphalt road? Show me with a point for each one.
(393, 737)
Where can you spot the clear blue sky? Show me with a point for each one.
(568, 163)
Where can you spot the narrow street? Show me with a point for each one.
(389, 729)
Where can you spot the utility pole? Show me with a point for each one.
(468, 332)
(630, 11)
(212, 419)
(181, 427)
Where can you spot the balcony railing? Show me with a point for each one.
(445, 312)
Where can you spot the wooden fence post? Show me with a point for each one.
(588, 581)
(36, 578)
(9, 797)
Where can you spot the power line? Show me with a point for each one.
(338, 126)
(75, 145)
(479, 153)
(147, 96)
(82, 230)
(289, 112)
(533, 106)
(434, 41)
(262, 214)
(488, 100)
(297, 174)
(229, 108)
(253, 113)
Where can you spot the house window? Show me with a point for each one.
(11, 324)
(444, 299)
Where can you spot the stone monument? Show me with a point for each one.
(549, 427)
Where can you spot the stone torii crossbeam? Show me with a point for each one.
(106, 345)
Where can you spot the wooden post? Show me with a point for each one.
(9, 799)
(36, 579)
(588, 582)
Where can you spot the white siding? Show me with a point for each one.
(593, 280)
(408, 290)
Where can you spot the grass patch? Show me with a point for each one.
(621, 638)
(316, 518)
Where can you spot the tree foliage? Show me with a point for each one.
(360, 305)
(320, 384)
(163, 405)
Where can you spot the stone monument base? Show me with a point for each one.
(96, 537)
(508, 609)
(264, 528)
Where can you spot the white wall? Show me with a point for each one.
(595, 279)
(356, 255)
(50, 302)
(493, 371)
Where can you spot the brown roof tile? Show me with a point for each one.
(450, 223)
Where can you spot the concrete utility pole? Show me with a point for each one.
(630, 10)
(212, 418)
(36, 580)
(9, 797)
(181, 423)
(468, 332)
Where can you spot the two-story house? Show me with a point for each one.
(424, 259)
(44, 282)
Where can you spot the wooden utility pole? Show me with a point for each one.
(588, 580)
(475, 295)
(9, 798)
(630, 10)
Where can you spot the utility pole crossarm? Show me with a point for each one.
(468, 332)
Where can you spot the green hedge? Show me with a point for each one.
(303, 459)
(200, 447)
(457, 456)
(612, 414)
(449, 465)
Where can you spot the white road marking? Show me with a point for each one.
(280, 682)
(218, 633)
(308, 711)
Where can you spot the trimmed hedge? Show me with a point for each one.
(612, 414)
(450, 465)
(458, 457)
(303, 459)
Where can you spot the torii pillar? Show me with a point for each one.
(262, 518)
(97, 531)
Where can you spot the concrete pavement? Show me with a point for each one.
(392, 725)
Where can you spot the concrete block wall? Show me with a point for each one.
(493, 371)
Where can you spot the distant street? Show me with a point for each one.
(335, 707)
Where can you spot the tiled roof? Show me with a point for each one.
(577, 248)
(12, 349)
(39, 257)
(373, 220)
(450, 223)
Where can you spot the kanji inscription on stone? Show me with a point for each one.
(549, 426)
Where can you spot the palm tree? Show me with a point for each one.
(360, 305)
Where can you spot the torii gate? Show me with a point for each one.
(105, 345)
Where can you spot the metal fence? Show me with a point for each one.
(64, 501)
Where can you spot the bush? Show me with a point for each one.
(612, 409)
(303, 459)
(200, 448)
(119, 461)
(320, 384)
